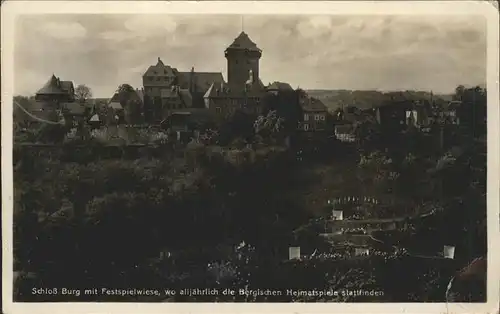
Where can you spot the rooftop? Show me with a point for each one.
(243, 42)
(52, 86)
(160, 69)
(280, 86)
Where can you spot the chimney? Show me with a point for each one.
(191, 80)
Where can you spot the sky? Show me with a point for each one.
(373, 52)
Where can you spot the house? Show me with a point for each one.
(451, 112)
(166, 90)
(186, 123)
(283, 99)
(52, 96)
(56, 91)
(345, 132)
(47, 104)
(315, 117)
(75, 112)
(276, 87)
(394, 114)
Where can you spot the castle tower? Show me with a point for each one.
(243, 57)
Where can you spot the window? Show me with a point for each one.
(306, 117)
(306, 127)
(322, 117)
(316, 117)
(158, 78)
(217, 110)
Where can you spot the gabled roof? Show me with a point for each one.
(160, 69)
(244, 42)
(279, 86)
(202, 80)
(313, 104)
(52, 87)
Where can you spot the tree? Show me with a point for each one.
(83, 93)
(459, 92)
(131, 103)
(268, 125)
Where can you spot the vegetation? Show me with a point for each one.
(219, 213)
(83, 93)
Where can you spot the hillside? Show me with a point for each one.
(334, 99)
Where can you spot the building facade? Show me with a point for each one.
(315, 117)
(57, 98)
(167, 90)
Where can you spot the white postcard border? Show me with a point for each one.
(10, 9)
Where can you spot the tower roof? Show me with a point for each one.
(243, 42)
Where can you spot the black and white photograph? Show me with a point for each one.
(246, 157)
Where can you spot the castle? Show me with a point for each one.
(167, 90)
(168, 93)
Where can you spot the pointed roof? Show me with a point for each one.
(210, 92)
(244, 42)
(160, 69)
(95, 118)
(53, 86)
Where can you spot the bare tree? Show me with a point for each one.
(83, 93)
